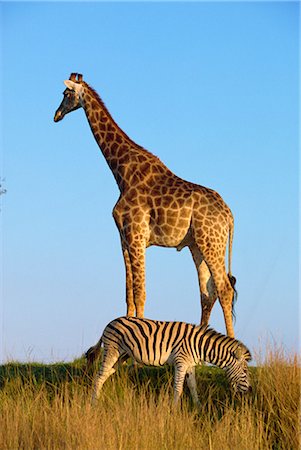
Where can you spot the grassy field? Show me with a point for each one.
(48, 407)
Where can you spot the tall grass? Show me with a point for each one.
(48, 407)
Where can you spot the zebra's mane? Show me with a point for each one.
(235, 342)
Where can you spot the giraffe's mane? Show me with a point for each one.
(128, 139)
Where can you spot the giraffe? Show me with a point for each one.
(156, 207)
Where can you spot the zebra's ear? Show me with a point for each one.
(238, 352)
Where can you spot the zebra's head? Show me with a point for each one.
(237, 370)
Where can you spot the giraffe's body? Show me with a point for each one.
(156, 207)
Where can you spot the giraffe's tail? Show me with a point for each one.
(93, 353)
(232, 279)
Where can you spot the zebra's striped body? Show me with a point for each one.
(180, 344)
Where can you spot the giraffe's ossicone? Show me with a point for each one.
(156, 207)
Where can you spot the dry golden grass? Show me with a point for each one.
(49, 408)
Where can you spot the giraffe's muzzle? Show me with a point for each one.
(58, 116)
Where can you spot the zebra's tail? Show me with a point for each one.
(93, 354)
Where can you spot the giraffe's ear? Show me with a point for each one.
(73, 86)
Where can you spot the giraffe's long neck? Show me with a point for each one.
(124, 157)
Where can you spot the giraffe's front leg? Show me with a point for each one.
(130, 311)
(133, 232)
(121, 222)
(137, 258)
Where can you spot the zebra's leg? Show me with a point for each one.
(106, 370)
(192, 385)
(101, 377)
(180, 372)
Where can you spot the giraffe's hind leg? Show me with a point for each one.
(207, 289)
(213, 250)
(224, 289)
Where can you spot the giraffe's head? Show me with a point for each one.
(72, 96)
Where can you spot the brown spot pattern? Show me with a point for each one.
(156, 207)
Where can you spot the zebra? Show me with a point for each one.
(183, 345)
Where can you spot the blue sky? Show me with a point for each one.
(210, 88)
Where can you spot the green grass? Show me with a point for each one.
(48, 407)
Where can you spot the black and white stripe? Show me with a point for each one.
(180, 344)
